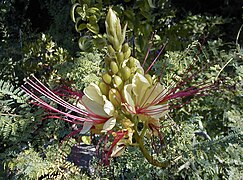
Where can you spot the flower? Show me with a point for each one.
(128, 105)
(92, 108)
(145, 98)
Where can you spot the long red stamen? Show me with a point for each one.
(156, 58)
(52, 96)
(52, 108)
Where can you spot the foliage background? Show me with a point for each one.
(41, 37)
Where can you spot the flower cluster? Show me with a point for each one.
(128, 104)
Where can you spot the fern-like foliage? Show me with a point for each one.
(12, 103)
(29, 146)
(30, 164)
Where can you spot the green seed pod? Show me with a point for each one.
(111, 51)
(120, 57)
(149, 78)
(126, 73)
(114, 67)
(118, 83)
(106, 78)
(104, 88)
(115, 97)
(125, 47)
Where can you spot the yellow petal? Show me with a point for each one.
(86, 127)
(140, 86)
(93, 106)
(159, 111)
(118, 150)
(93, 93)
(109, 124)
(108, 106)
(130, 106)
(154, 93)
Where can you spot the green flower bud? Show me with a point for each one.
(127, 54)
(118, 83)
(125, 47)
(116, 44)
(104, 88)
(115, 97)
(132, 62)
(126, 73)
(111, 20)
(118, 30)
(140, 71)
(106, 78)
(120, 57)
(114, 67)
(111, 51)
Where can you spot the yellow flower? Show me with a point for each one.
(143, 98)
(98, 107)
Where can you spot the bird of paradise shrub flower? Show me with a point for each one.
(128, 104)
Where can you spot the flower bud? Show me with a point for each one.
(140, 71)
(106, 78)
(115, 97)
(132, 62)
(125, 47)
(127, 54)
(118, 30)
(118, 82)
(126, 73)
(111, 20)
(114, 67)
(120, 57)
(111, 51)
(104, 88)
(116, 44)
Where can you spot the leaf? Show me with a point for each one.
(72, 12)
(86, 140)
(81, 27)
(94, 28)
(150, 2)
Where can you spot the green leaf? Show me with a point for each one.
(72, 12)
(94, 28)
(81, 27)
(150, 2)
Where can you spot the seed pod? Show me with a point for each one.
(118, 83)
(104, 88)
(149, 78)
(114, 67)
(106, 78)
(115, 97)
(120, 57)
(126, 73)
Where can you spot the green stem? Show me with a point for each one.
(146, 154)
